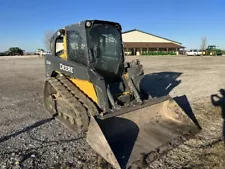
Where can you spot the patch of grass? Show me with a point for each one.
(211, 158)
(210, 154)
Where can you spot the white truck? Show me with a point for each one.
(41, 52)
(194, 52)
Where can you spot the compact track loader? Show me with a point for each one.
(91, 89)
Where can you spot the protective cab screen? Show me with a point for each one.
(77, 46)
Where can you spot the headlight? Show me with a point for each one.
(88, 24)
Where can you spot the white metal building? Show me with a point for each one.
(137, 42)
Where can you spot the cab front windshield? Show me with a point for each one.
(105, 39)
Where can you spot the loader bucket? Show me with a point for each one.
(125, 139)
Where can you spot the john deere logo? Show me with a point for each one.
(66, 68)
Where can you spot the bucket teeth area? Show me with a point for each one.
(140, 134)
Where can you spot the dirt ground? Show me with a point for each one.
(29, 138)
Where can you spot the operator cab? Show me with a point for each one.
(96, 44)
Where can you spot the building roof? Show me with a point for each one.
(150, 34)
(151, 45)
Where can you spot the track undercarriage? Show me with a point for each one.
(68, 104)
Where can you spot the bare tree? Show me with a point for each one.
(203, 43)
(47, 36)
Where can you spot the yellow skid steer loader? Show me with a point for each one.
(91, 89)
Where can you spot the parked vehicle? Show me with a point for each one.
(2, 53)
(45, 53)
(213, 50)
(199, 52)
(13, 51)
(39, 51)
(194, 52)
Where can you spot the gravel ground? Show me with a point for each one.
(29, 138)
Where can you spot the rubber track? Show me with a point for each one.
(87, 103)
(81, 117)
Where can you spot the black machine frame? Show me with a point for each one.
(82, 71)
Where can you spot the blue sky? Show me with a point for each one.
(24, 22)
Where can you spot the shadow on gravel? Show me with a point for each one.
(183, 102)
(219, 101)
(26, 129)
(161, 83)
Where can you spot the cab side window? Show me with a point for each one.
(76, 47)
(59, 47)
